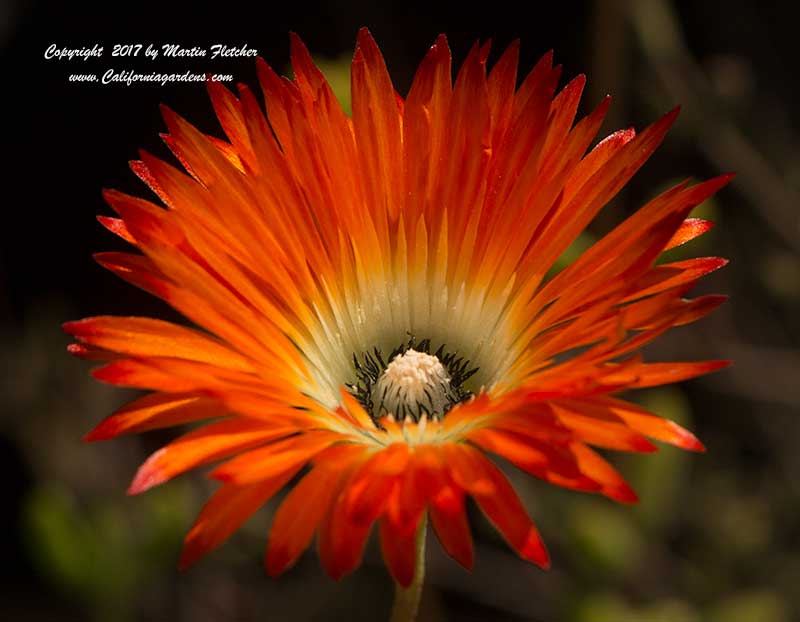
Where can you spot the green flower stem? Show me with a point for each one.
(406, 600)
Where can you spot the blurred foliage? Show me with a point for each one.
(96, 552)
(337, 72)
(714, 537)
(609, 607)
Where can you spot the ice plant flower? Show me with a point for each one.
(375, 310)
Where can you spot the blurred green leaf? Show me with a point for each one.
(606, 534)
(610, 607)
(579, 246)
(61, 544)
(755, 606)
(658, 478)
(602, 607)
(169, 511)
(100, 554)
(337, 72)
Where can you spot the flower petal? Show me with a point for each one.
(207, 444)
(157, 410)
(230, 506)
(502, 505)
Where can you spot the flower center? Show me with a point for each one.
(413, 383)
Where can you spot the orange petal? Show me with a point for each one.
(689, 230)
(367, 493)
(298, 516)
(141, 336)
(263, 463)
(654, 374)
(602, 433)
(399, 551)
(614, 486)
(341, 542)
(156, 410)
(223, 514)
(647, 423)
(117, 226)
(206, 444)
(503, 508)
(452, 530)
(376, 121)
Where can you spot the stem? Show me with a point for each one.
(406, 600)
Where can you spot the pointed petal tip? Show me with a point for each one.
(103, 431)
(190, 555)
(276, 561)
(364, 38)
(624, 494)
(148, 475)
(169, 116)
(689, 441)
(95, 435)
(602, 108)
(534, 550)
(141, 484)
(298, 49)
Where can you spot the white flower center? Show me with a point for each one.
(412, 385)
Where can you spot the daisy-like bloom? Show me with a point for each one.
(374, 307)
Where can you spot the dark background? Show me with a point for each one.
(715, 535)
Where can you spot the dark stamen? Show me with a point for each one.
(369, 366)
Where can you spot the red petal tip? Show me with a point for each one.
(93, 436)
(717, 365)
(623, 493)
(689, 441)
(189, 557)
(534, 550)
(74, 328)
(104, 431)
(276, 562)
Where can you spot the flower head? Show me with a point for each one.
(372, 308)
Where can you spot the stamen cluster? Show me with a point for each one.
(414, 382)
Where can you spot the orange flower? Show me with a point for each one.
(373, 309)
